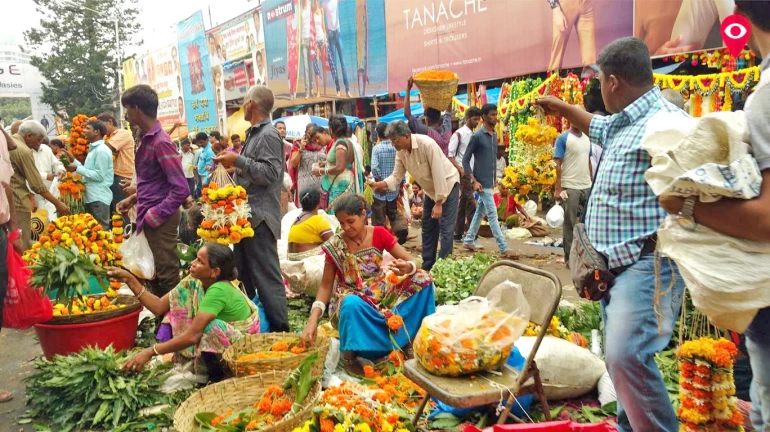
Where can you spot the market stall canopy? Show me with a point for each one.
(295, 125)
(493, 96)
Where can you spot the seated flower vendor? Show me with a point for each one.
(364, 304)
(310, 229)
(206, 312)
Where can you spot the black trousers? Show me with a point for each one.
(257, 261)
(3, 268)
(439, 231)
(381, 209)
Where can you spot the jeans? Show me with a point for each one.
(3, 268)
(758, 345)
(443, 229)
(101, 212)
(389, 209)
(576, 199)
(191, 185)
(486, 204)
(467, 207)
(335, 50)
(632, 339)
(258, 268)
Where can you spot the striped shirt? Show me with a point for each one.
(383, 164)
(161, 187)
(623, 211)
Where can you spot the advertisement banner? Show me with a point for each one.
(483, 40)
(159, 70)
(671, 27)
(321, 49)
(197, 81)
(235, 39)
(236, 81)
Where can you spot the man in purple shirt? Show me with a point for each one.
(161, 187)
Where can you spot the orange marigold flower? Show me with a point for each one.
(280, 346)
(395, 323)
(369, 372)
(281, 407)
(327, 425)
(298, 349)
(397, 358)
(264, 405)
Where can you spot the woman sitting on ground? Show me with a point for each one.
(354, 278)
(207, 313)
(310, 230)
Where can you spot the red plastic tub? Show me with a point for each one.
(63, 339)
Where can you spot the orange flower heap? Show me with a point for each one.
(437, 75)
(84, 233)
(77, 141)
(226, 214)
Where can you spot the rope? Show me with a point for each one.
(658, 284)
(499, 409)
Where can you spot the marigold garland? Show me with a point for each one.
(707, 387)
(83, 232)
(532, 168)
(226, 214)
(72, 192)
(117, 228)
(77, 140)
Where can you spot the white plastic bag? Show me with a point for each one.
(555, 216)
(531, 208)
(476, 334)
(137, 256)
(517, 233)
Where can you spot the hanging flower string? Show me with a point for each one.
(707, 386)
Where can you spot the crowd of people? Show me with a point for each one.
(418, 163)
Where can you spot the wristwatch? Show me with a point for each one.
(685, 217)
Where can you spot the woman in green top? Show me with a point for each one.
(342, 173)
(206, 312)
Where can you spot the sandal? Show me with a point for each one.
(5, 396)
(352, 366)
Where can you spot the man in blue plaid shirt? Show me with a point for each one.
(623, 215)
(386, 204)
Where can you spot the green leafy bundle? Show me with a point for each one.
(456, 280)
(89, 390)
(587, 316)
(61, 269)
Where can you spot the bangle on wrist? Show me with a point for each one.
(155, 350)
(144, 289)
(319, 305)
(414, 268)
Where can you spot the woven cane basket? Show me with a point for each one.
(437, 94)
(255, 343)
(132, 304)
(238, 393)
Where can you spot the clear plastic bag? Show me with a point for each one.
(555, 216)
(137, 257)
(475, 335)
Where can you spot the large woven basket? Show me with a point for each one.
(437, 94)
(131, 303)
(238, 393)
(255, 343)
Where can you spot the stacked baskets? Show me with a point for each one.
(437, 88)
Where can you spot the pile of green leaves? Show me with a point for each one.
(456, 279)
(669, 368)
(586, 317)
(299, 311)
(89, 390)
(61, 269)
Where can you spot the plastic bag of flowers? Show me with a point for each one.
(475, 335)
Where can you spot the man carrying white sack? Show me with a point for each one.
(748, 219)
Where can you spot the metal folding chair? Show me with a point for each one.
(542, 290)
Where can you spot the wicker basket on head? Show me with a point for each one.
(437, 94)
(238, 393)
(255, 343)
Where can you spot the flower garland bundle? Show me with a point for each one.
(226, 214)
(532, 167)
(77, 141)
(72, 192)
(707, 392)
(718, 88)
(82, 232)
